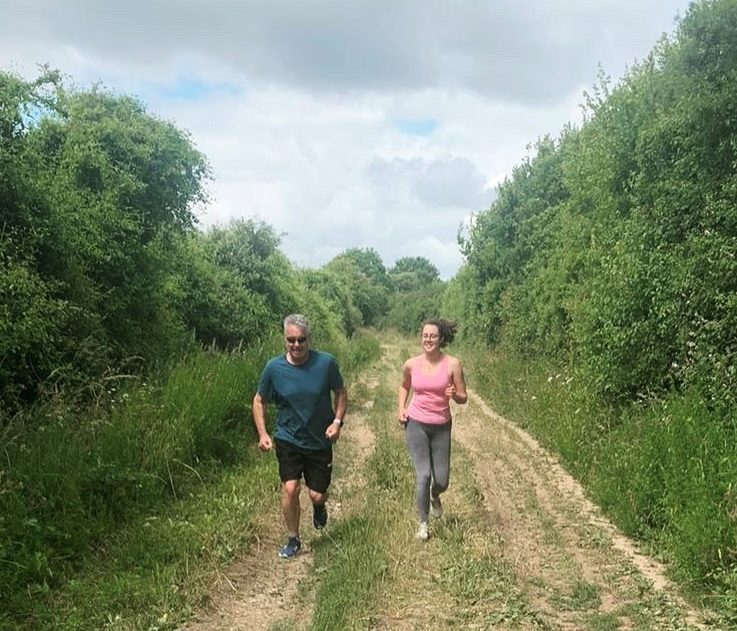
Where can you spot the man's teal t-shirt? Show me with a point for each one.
(303, 397)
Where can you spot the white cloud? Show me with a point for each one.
(339, 123)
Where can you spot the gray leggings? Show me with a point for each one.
(429, 448)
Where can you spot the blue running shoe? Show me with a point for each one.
(319, 516)
(291, 548)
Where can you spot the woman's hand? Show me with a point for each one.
(450, 390)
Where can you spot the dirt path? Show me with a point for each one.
(565, 554)
(529, 533)
(262, 592)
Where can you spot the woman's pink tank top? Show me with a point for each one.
(429, 403)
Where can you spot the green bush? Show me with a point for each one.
(71, 480)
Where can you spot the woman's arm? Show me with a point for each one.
(403, 392)
(457, 387)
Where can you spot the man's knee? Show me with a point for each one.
(317, 497)
(291, 488)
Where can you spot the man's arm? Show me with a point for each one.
(259, 420)
(341, 403)
(340, 397)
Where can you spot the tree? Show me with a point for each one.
(94, 191)
(363, 271)
(413, 272)
(250, 250)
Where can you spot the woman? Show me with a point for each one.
(433, 378)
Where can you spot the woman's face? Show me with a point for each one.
(430, 338)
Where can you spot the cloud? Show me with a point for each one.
(346, 124)
(440, 183)
(510, 50)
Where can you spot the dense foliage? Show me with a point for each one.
(96, 195)
(612, 247)
(606, 273)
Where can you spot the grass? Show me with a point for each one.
(371, 569)
(353, 562)
(663, 470)
(99, 510)
(160, 529)
(116, 516)
(149, 574)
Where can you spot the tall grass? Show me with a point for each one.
(72, 478)
(664, 470)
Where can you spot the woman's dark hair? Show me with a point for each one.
(446, 329)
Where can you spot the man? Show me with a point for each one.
(308, 422)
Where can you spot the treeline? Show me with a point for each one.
(610, 258)
(102, 268)
(615, 244)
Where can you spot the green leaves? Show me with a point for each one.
(613, 247)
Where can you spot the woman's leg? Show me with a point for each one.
(439, 439)
(418, 444)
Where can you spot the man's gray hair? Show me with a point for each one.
(297, 319)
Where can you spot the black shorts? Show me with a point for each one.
(316, 465)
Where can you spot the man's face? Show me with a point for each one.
(297, 343)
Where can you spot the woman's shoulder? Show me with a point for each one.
(412, 361)
(452, 361)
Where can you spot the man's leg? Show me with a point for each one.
(290, 506)
(318, 498)
(290, 473)
(318, 475)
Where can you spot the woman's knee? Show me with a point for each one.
(424, 479)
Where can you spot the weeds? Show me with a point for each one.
(74, 484)
(664, 470)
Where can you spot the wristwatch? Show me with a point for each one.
(339, 421)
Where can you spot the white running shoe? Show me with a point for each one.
(422, 532)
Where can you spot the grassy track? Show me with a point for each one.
(458, 579)
(518, 547)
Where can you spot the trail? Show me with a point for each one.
(569, 565)
(262, 592)
(556, 540)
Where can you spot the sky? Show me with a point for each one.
(381, 124)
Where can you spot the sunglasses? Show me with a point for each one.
(301, 339)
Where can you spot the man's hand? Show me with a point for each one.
(264, 442)
(333, 432)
